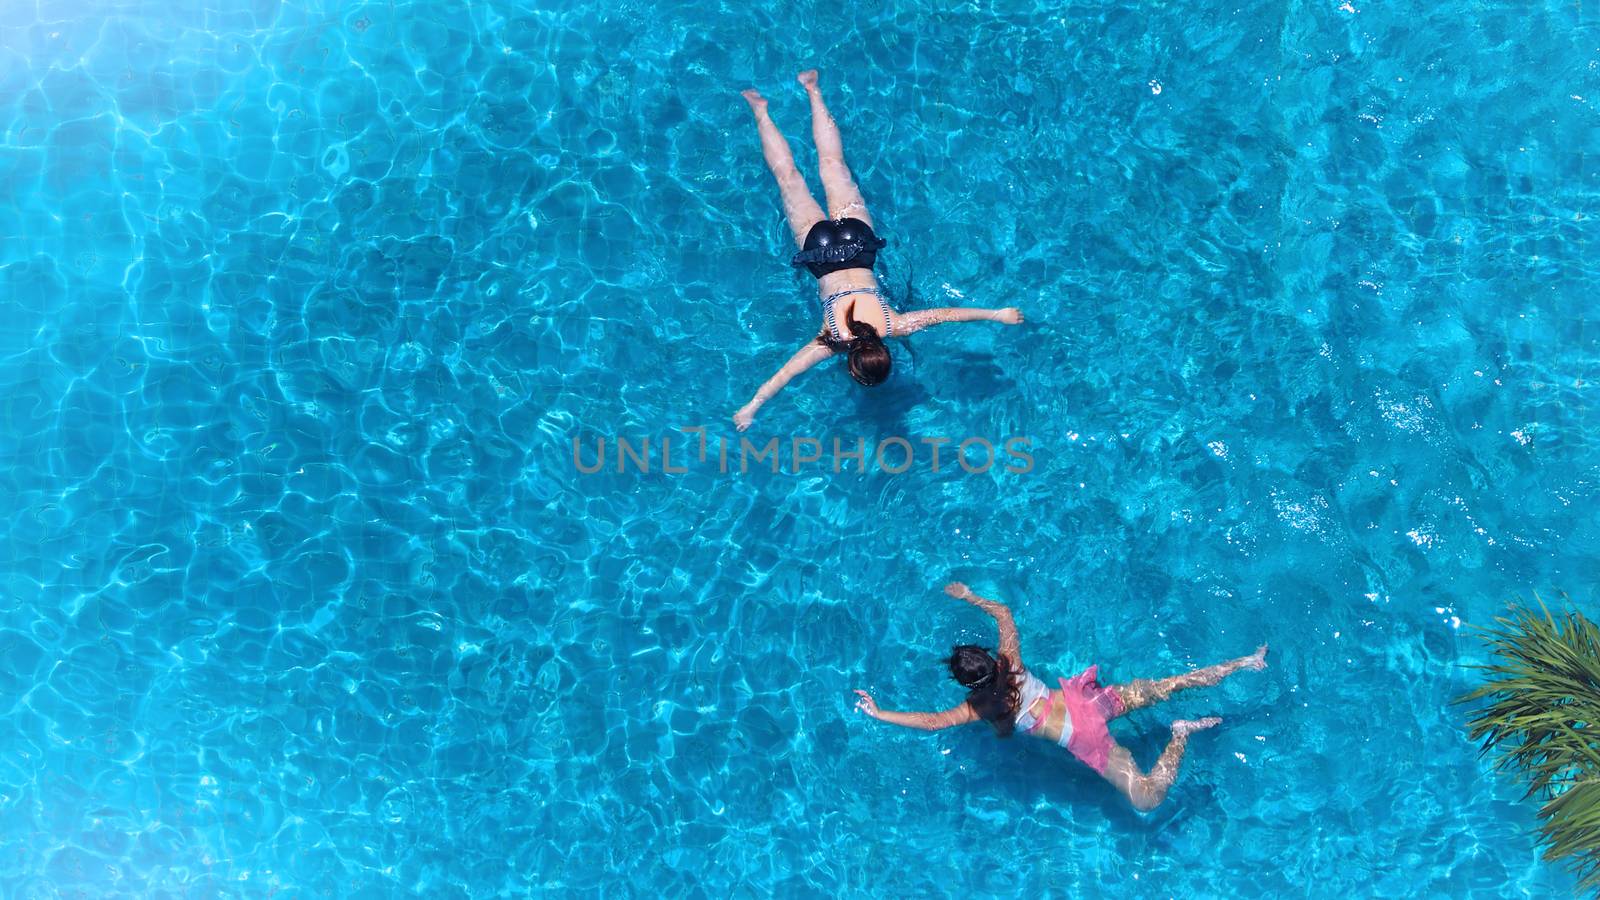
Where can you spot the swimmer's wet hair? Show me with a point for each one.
(868, 357)
(992, 689)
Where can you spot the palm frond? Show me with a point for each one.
(1539, 715)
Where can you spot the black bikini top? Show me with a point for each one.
(835, 244)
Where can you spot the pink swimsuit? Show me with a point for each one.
(1089, 707)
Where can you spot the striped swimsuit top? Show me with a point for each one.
(829, 316)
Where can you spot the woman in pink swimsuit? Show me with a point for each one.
(1005, 694)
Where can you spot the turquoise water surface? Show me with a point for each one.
(303, 305)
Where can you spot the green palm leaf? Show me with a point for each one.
(1539, 714)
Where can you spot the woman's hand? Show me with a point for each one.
(960, 591)
(1010, 315)
(744, 417)
(866, 704)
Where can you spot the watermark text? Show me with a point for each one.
(692, 449)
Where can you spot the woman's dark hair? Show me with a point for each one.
(869, 358)
(992, 689)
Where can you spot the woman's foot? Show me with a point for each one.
(758, 103)
(1186, 727)
(1257, 660)
(808, 78)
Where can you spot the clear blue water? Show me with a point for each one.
(301, 307)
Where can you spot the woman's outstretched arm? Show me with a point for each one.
(916, 320)
(803, 359)
(1010, 643)
(955, 715)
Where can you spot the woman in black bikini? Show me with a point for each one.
(839, 249)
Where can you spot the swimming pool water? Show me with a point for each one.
(302, 305)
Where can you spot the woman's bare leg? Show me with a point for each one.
(798, 204)
(1146, 790)
(844, 197)
(1140, 692)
